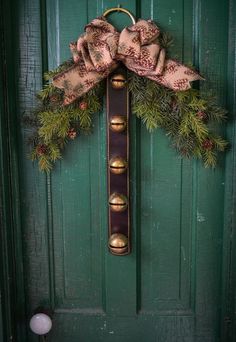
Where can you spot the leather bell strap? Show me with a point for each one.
(118, 162)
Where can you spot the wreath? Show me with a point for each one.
(161, 95)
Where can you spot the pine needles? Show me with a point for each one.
(185, 116)
(55, 124)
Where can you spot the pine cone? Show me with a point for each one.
(54, 98)
(208, 144)
(72, 133)
(202, 115)
(83, 105)
(41, 149)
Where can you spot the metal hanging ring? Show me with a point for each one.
(119, 9)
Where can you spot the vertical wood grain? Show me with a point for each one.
(166, 180)
(32, 184)
(76, 190)
(6, 317)
(228, 321)
(212, 51)
(11, 280)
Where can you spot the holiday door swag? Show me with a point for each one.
(160, 91)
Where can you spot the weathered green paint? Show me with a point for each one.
(11, 265)
(178, 283)
(229, 247)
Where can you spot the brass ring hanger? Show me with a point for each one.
(119, 9)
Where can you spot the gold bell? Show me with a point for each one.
(118, 81)
(118, 123)
(118, 202)
(117, 165)
(118, 243)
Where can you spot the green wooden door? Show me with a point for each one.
(172, 286)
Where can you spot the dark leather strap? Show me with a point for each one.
(118, 145)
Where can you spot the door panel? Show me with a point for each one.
(166, 186)
(169, 288)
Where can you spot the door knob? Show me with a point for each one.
(40, 324)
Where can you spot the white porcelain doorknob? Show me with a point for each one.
(40, 324)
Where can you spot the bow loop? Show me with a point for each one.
(98, 46)
(148, 31)
(129, 44)
(99, 50)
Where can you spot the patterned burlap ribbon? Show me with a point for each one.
(100, 49)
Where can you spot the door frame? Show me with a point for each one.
(12, 310)
(12, 307)
(229, 243)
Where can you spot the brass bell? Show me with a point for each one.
(117, 165)
(118, 123)
(118, 202)
(118, 243)
(118, 81)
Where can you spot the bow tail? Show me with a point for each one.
(176, 76)
(77, 80)
(172, 74)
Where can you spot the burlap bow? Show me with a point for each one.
(100, 49)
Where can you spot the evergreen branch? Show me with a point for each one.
(33, 155)
(184, 115)
(54, 152)
(166, 40)
(198, 127)
(44, 163)
(215, 113)
(209, 158)
(47, 91)
(219, 143)
(53, 123)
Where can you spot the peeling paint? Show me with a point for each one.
(200, 217)
(183, 253)
(104, 326)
